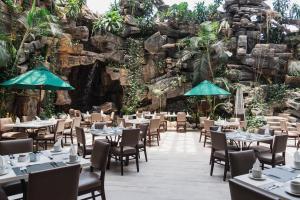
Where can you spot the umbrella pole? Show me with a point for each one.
(39, 103)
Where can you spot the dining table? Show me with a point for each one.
(35, 124)
(243, 137)
(274, 180)
(46, 160)
(226, 124)
(137, 121)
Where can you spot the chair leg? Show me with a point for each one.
(122, 166)
(145, 152)
(137, 163)
(204, 140)
(65, 138)
(212, 166)
(200, 136)
(108, 162)
(149, 136)
(225, 171)
(93, 195)
(103, 195)
(71, 138)
(157, 140)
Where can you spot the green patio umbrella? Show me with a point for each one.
(206, 88)
(39, 78)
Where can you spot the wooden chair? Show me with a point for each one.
(181, 121)
(83, 148)
(219, 151)
(8, 147)
(69, 132)
(51, 137)
(90, 182)
(153, 131)
(277, 155)
(163, 123)
(128, 148)
(142, 145)
(206, 131)
(8, 133)
(96, 117)
(241, 162)
(291, 134)
(259, 148)
(59, 184)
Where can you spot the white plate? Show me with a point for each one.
(262, 178)
(288, 190)
(78, 161)
(55, 151)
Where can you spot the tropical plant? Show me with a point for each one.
(177, 12)
(281, 6)
(112, 22)
(207, 36)
(276, 94)
(295, 11)
(73, 8)
(254, 122)
(37, 21)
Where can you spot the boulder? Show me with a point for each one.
(62, 98)
(155, 42)
(130, 20)
(149, 70)
(79, 33)
(242, 45)
(165, 29)
(66, 45)
(107, 42)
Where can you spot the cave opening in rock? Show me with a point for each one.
(94, 87)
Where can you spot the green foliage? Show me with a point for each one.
(133, 92)
(177, 12)
(281, 6)
(13, 6)
(276, 94)
(276, 35)
(112, 22)
(48, 105)
(294, 73)
(73, 8)
(295, 11)
(254, 122)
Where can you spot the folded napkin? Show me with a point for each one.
(104, 127)
(101, 112)
(297, 156)
(93, 126)
(256, 165)
(219, 129)
(267, 129)
(18, 121)
(134, 126)
(2, 162)
(73, 150)
(58, 143)
(37, 118)
(121, 125)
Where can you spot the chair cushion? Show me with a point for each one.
(45, 137)
(126, 150)
(260, 149)
(293, 133)
(267, 158)
(14, 135)
(87, 181)
(220, 154)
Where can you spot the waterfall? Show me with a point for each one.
(88, 86)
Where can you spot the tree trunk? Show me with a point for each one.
(20, 48)
(209, 63)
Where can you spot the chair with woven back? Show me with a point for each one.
(127, 148)
(142, 145)
(89, 181)
(291, 134)
(83, 148)
(260, 148)
(241, 162)
(181, 121)
(70, 132)
(7, 133)
(96, 117)
(59, 184)
(153, 131)
(9, 147)
(277, 155)
(219, 151)
(206, 130)
(52, 136)
(163, 122)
